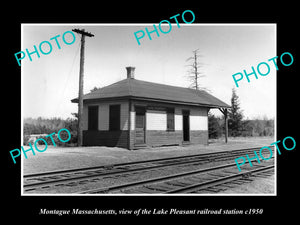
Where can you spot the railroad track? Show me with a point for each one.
(202, 180)
(54, 179)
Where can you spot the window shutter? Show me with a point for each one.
(114, 117)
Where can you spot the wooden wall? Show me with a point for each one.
(103, 114)
(106, 138)
(156, 125)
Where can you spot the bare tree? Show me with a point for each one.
(194, 73)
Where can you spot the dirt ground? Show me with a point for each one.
(257, 186)
(60, 158)
(63, 158)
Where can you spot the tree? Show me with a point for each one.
(75, 115)
(194, 73)
(235, 116)
(214, 127)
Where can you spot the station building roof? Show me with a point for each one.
(144, 90)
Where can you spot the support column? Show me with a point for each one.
(129, 125)
(225, 112)
(226, 125)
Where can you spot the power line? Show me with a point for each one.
(68, 78)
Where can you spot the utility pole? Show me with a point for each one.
(81, 72)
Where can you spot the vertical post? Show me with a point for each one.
(80, 94)
(226, 125)
(129, 124)
(225, 112)
(81, 73)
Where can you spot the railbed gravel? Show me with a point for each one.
(110, 180)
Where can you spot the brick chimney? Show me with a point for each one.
(130, 72)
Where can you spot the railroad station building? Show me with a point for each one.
(134, 114)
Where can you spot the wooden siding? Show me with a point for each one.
(106, 138)
(160, 138)
(156, 125)
(178, 122)
(156, 120)
(198, 122)
(124, 115)
(198, 118)
(199, 137)
(103, 113)
(132, 120)
(131, 139)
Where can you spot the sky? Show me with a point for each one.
(51, 81)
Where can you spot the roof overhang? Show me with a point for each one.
(93, 100)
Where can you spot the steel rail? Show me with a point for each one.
(136, 162)
(106, 173)
(169, 177)
(201, 157)
(221, 180)
(155, 180)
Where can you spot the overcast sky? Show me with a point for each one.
(51, 81)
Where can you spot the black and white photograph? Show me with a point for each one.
(148, 109)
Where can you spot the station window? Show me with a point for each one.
(93, 118)
(114, 117)
(170, 119)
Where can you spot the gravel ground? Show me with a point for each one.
(108, 180)
(59, 158)
(258, 186)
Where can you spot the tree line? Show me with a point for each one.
(237, 125)
(42, 126)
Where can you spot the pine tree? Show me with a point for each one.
(235, 116)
